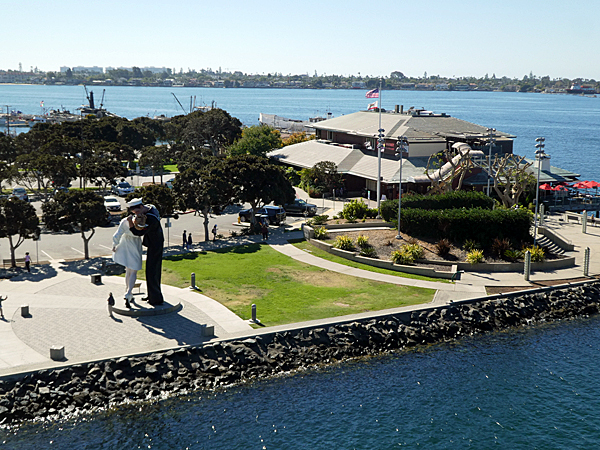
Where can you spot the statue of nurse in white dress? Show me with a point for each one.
(127, 251)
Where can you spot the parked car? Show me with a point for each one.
(112, 203)
(122, 188)
(169, 183)
(20, 193)
(301, 207)
(275, 215)
(60, 189)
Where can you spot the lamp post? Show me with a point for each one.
(491, 141)
(380, 144)
(539, 156)
(401, 145)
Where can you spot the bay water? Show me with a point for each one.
(526, 388)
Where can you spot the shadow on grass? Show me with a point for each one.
(240, 250)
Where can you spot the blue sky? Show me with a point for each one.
(447, 38)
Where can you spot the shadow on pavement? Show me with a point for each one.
(174, 326)
(85, 266)
(38, 273)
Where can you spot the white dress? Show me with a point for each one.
(128, 247)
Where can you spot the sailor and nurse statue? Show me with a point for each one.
(140, 228)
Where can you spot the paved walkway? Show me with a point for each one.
(67, 309)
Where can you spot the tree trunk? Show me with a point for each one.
(13, 261)
(205, 213)
(86, 250)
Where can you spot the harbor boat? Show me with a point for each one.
(581, 89)
(91, 109)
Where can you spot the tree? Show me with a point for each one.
(322, 177)
(17, 218)
(160, 196)
(75, 210)
(511, 177)
(296, 138)
(206, 190)
(155, 157)
(257, 140)
(101, 169)
(258, 182)
(44, 169)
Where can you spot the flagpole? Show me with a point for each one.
(379, 150)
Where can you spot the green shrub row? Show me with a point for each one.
(460, 225)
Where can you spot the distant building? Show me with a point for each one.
(16, 77)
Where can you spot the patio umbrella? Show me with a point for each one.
(580, 185)
(546, 187)
(591, 184)
(560, 188)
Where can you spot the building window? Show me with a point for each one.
(330, 135)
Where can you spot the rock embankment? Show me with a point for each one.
(102, 384)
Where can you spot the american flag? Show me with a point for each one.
(373, 93)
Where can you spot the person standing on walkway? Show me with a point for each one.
(1, 310)
(185, 247)
(265, 231)
(28, 262)
(189, 241)
(214, 232)
(153, 240)
(127, 251)
(111, 303)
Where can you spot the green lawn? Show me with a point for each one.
(284, 290)
(307, 246)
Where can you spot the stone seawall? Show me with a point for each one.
(93, 386)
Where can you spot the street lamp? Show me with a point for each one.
(491, 141)
(539, 156)
(380, 145)
(400, 146)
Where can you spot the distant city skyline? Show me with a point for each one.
(448, 38)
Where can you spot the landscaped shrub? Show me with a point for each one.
(402, 257)
(500, 246)
(372, 213)
(362, 241)
(344, 243)
(475, 256)
(416, 250)
(470, 245)
(321, 233)
(442, 248)
(537, 253)
(354, 209)
(368, 252)
(512, 255)
(317, 220)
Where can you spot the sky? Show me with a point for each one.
(450, 38)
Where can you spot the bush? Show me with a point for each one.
(475, 256)
(317, 220)
(537, 253)
(500, 246)
(442, 248)
(414, 249)
(362, 241)
(354, 209)
(321, 233)
(368, 252)
(512, 255)
(344, 243)
(470, 245)
(372, 213)
(402, 257)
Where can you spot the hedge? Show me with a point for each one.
(481, 225)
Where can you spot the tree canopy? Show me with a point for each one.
(257, 140)
(17, 218)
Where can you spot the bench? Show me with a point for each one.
(8, 262)
(138, 285)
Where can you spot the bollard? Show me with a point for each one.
(542, 215)
(586, 262)
(253, 313)
(527, 266)
(584, 221)
(193, 282)
(24, 310)
(57, 352)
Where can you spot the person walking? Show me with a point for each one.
(111, 303)
(185, 247)
(127, 251)
(189, 241)
(1, 310)
(28, 262)
(265, 231)
(153, 240)
(214, 232)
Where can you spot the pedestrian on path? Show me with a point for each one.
(111, 303)
(1, 300)
(189, 241)
(185, 247)
(28, 262)
(265, 231)
(214, 232)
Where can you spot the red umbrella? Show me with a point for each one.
(560, 188)
(546, 187)
(591, 184)
(580, 185)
